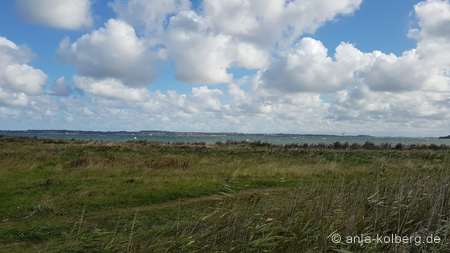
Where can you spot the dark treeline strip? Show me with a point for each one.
(337, 146)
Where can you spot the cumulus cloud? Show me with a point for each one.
(203, 56)
(226, 34)
(434, 33)
(241, 33)
(23, 78)
(265, 22)
(61, 88)
(424, 68)
(17, 79)
(150, 15)
(363, 88)
(405, 73)
(10, 53)
(200, 100)
(411, 90)
(256, 100)
(14, 99)
(307, 68)
(366, 105)
(66, 14)
(110, 88)
(200, 57)
(250, 110)
(434, 18)
(111, 52)
(8, 112)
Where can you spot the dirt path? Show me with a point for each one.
(190, 203)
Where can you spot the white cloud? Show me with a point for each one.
(434, 18)
(4, 111)
(266, 22)
(412, 89)
(241, 33)
(14, 99)
(208, 99)
(61, 88)
(258, 101)
(307, 68)
(405, 73)
(149, 14)
(434, 33)
(200, 100)
(23, 78)
(17, 79)
(110, 88)
(424, 68)
(203, 56)
(226, 34)
(10, 53)
(66, 14)
(367, 105)
(111, 52)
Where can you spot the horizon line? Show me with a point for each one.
(205, 132)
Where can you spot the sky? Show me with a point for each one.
(377, 67)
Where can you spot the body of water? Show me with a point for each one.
(171, 137)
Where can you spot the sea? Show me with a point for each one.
(212, 138)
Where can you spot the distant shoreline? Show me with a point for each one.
(194, 134)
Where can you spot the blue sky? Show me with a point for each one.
(245, 66)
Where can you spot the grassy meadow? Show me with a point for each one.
(73, 196)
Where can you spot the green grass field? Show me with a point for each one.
(69, 196)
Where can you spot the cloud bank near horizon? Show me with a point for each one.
(299, 85)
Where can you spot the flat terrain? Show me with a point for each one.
(69, 196)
